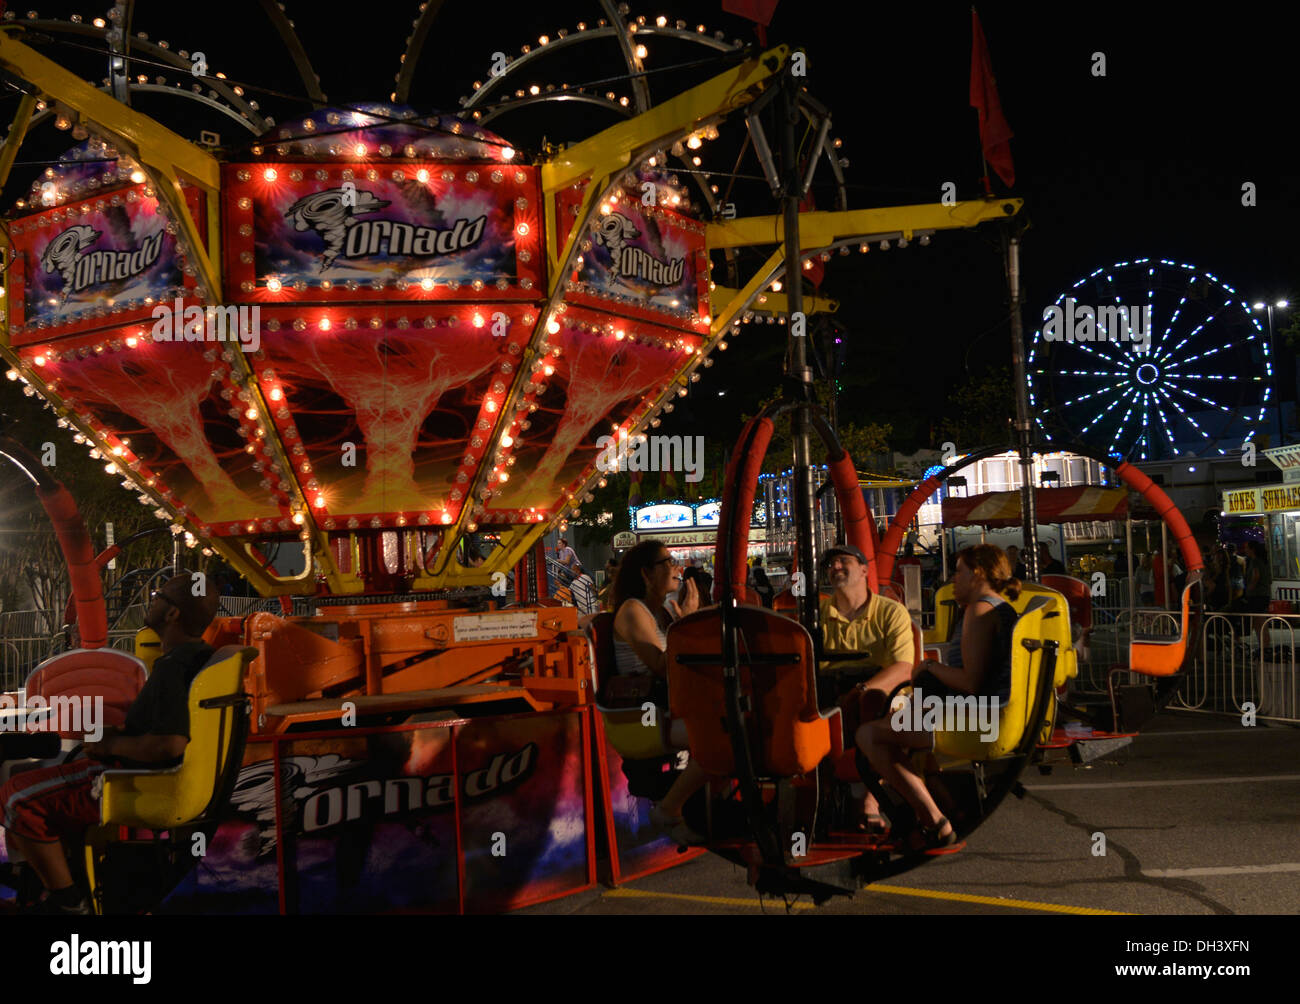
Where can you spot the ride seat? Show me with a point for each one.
(82, 673)
(777, 676)
(945, 615)
(624, 727)
(106, 673)
(159, 799)
(1034, 624)
(1165, 658)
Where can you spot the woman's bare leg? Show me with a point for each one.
(888, 753)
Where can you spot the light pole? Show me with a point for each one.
(1280, 305)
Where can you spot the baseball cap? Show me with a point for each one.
(848, 549)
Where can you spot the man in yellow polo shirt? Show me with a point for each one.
(854, 619)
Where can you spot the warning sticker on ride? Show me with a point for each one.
(490, 627)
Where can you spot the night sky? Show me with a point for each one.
(1148, 160)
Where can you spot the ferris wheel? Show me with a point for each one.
(1150, 359)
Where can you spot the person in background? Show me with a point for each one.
(1047, 565)
(1217, 586)
(567, 557)
(1013, 559)
(1259, 578)
(606, 594)
(1145, 583)
(762, 585)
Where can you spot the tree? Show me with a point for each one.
(980, 411)
(32, 567)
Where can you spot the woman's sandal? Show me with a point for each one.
(931, 840)
(677, 828)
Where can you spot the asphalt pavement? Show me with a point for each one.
(1200, 815)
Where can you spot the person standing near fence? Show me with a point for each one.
(1259, 578)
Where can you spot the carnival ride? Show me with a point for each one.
(387, 338)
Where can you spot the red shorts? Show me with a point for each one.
(52, 802)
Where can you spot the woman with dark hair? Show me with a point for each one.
(647, 574)
(980, 667)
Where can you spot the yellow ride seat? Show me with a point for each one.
(172, 796)
(625, 727)
(192, 792)
(1035, 623)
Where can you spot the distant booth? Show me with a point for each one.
(1270, 513)
(689, 529)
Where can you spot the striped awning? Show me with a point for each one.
(1081, 504)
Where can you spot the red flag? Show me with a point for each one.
(760, 11)
(995, 133)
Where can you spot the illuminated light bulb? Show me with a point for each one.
(446, 517)
(548, 370)
(552, 326)
(421, 176)
(426, 284)
(522, 229)
(298, 518)
(661, 22)
(620, 334)
(489, 406)
(776, 286)
(479, 321)
(503, 477)
(471, 527)
(696, 161)
(251, 413)
(132, 342)
(325, 324)
(604, 209)
(270, 174)
(276, 394)
(39, 360)
(359, 149)
(251, 527)
(11, 374)
(273, 285)
(507, 442)
(110, 468)
(319, 502)
(641, 52)
(694, 142)
(137, 176)
(508, 153)
(117, 451)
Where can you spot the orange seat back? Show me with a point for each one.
(1165, 658)
(788, 734)
(89, 673)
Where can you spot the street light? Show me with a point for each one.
(1280, 305)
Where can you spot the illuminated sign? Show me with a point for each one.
(1287, 459)
(663, 517)
(707, 515)
(1254, 501)
(1241, 502)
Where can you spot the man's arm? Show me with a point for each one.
(142, 749)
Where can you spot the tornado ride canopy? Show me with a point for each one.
(383, 280)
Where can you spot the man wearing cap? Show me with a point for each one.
(854, 619)
(42, 806)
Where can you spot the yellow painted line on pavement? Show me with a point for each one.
(712, 900)
(1018, 904)
(959, 897)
